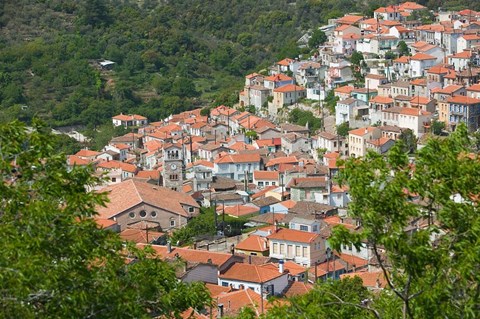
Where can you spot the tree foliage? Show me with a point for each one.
(302, 117)
(432, 270)
(318, 38)
(56, 262)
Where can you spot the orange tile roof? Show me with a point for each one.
(87, 153)
(381, 100)
(127, 194)
(203, 163)
(352, 261)
(438, 69)
(216, 290)
(130, 117)
(411, 6)
(280, 77)
(262, 192)
(78, 161)
(420, 81)
(105, 223)
(190, 255)
(420, 100)
(459, 99)
(474, 87)
(285, 62)
(389, 9)
(250, 273)
(466, 54)
(349, 19)
(282, 160)
(362, 131)
(297, 288)
(152, 174)
(289, 88)
(118, 165)
(253, 243)
(290, 203)
(347, 89)
(297, 236)
(239, 158)
(370, 279)
(252, 75)
(407, 111)
(240, 210)
(140, 235)
(402, 59)
(235, 301)
(266, 175)
(471, 37)
(351, 36)
(238, 146)
(423, 56)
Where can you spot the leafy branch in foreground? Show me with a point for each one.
(55, 261)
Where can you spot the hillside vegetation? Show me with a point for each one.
(170, 55)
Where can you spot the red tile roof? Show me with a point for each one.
(87, 153)
(423, 56)
(240, 210)
(474, 87)
(266, 175)
(381, 100)
(127, 194)
(289, 88)
(280, 77)
(238, 158)
(293, 235)
(282, 160)
(190, 255)
(118, 165)
(297, 288)
(362, 131)
(250, 273)
(347, 89)
(253, 243)
(130, 117)
(370, 279)
(459, 99)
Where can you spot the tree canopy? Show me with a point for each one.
(55, 261)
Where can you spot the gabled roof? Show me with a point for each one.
(239, 158)
(346, 89)
(253, 243)
(87, 153)
(402, 59)
(286, 62)
(474, 87)
(298, 236)
(250, 273)
(450, 89)
(381, 100)
(240, 210)
(78, 161)
(466, 54)
(362, 131)
(266, 175)
(423, 56)
(389, 9)
(411, 6)
(349, 19)
(190, 255)
(128, 194)
(308, 182)
(281, 160)
(289, 88)
(280, 77)
(407, 111)
(297, 288)
(118, 165)
(370, 279)
(129, 117)
(459, 99)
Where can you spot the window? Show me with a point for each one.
(304, 252)
(303, 228)
(274, 183)
(267, 183)
(114, 179)
(172, 222)
(260, 184)
(153, 214)
(143, 214)
(275, 248)
(224, 284)
(314, 228)
(298, 251)
(282, 249)
(191, 209)
(131, 215)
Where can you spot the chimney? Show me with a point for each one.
(366, 130)
(220, 310)
(169, 247)
(276, 226)
(280, 266)
(249, 259)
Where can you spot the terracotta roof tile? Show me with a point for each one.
(253, 243)
(289, 88)
(266, 175)
(250, 273)
(293, 235)
(370, 279)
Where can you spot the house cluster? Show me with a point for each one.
(280, 177)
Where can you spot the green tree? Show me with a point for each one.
(342, 129)
(56, 262)
(356, 58)
(438, 127)
(432, 270)
(409, 141)
(403, 48)
(318, 38)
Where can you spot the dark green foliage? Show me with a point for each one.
(409, 141)
(343, 129)
(55, 261)
(438, 127)
(318, 37)
(301, 117)
(403, 48)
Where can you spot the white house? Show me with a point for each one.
(304, 248)
(466, 41)
(347, 110)
(259, 278)
(407, 117)
(420, 62)
(236, 166)
(129, 120)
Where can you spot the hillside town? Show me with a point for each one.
(278, 178)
